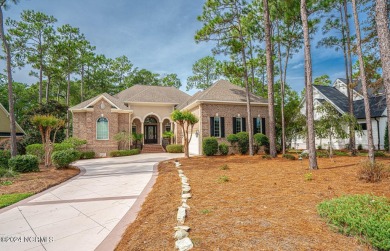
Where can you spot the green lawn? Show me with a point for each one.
(9, 199)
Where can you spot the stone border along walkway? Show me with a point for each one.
(183, 242)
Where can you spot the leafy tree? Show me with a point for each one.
(186, 120)
(364, 85)
(6, 47)
(124, 139)
(123, 71)
(145, 77)
(170, 80)
(205, 72)
(322, 80)
(332, 124)
(223, 22)
(46, 124)
(34, 35)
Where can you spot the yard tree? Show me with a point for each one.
(46, 124)
(170, 80)
(309, 88)
(205, 72)
(322, 80)
(122, 71)
(332, 124)
(186, 120)
(382, 26)
(222, 22)
(371, 155)
(34, 34)
(3, 6)
(270, 80)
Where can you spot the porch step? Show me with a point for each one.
(147, 148)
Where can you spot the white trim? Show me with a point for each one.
(168, 118)
(328, 100)
(151, 103)
(198, 102)
(108, 131)
(16, 123)
(136, 117)
(98, 99)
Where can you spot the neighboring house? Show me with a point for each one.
(336, 95)
(5, 131)
(221, 110)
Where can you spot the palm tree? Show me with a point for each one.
(4, 5)
(382, 26)
(309, 88)
(270, 79)
(364, 84)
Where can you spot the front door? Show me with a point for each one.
(150, 134)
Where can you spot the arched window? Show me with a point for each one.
(150, 120)
(102, 128)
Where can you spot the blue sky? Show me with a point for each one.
(155, 35)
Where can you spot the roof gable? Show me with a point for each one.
(110, 99)
(5, 122)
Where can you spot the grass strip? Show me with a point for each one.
(9, 199)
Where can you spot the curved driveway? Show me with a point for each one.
(89, 212)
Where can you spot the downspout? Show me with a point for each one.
(379, 138)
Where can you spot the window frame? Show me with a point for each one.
(238, 122)
(219, 127)
(258, 129)
(167, 126)
(108, 128)
(134, 129)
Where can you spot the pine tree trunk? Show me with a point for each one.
(40, 78)
(364, 84)
(352, 141)
(309, 88)
(382, 26)
(270, 80)
(67, 104)
(47, 88)
(282, 94)
(82, 84)
(10, 89)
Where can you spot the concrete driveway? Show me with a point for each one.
(89, 212)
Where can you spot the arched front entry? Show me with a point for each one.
(151, 130)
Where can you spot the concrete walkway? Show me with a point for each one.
(89, 212)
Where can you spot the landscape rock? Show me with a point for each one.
(185, 205)
(184, 200)
(184, 244)
(186, 189)
(186, 196)
(180, 171)
(181, 215)
(184, 179)
(180, 234)
(185, 228)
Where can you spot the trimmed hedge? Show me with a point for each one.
(121, 153)
(75, 142)
(39, 151)
(243, 142)
(260, 139)
(223, 149)
(24, 163)
(62, 159)
(87, 155)
(175, 148)
(210, 146)
(4, 157)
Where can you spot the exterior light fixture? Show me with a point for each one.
(197, 133)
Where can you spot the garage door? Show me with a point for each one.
(194, 145)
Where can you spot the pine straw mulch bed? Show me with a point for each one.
(265, 205)
(36, 182)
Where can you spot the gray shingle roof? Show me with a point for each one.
(377, 103)
(113, 100)
(224, 91)
(147, 93)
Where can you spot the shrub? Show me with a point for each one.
(319, 147)
(340, 153)
(267, 156)
(322, 154)
(379, 154)
(223, 149)
(289, 156)
(87, 155)
(224, 167)
(223, 179)
(365, 216)
(37, 150)
(75, 142)
(7, 173)
(63, 146)
(308, 176)
(4, 157)
(24, 163)
(261, 139)
(121, 153)
(210, 146)
(372, 172)
(360, 147)
(243, 142)
(62, 159)
(232, 139)
(175, 148)
(304, 155)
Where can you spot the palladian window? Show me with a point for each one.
(102, 129)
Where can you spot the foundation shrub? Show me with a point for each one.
(121, 153)
(5, 155)
(373, 172)
(175, 148)
(243, 142)
(87, 155)
(75, 142)
(223, 149)
(289, 156)
(24, 163)
(62, 159)
(210, 146)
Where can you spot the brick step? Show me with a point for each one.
(153, 149)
